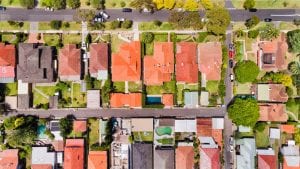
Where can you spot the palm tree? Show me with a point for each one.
(294, 67)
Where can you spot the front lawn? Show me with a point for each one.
(212, 86)
(51, 39)
(12, 3)
(71, 38)
(287, 26)
(143, 136)
(144, 26)
(39, 98)
(115, 43)
(93, 131)
(4, 25)
(72, 26)
(9, 38)
(119, 87)
(180, 88)
(11, 89)
(262, 138)
(78, 98)
(243, 88)
(134, 86)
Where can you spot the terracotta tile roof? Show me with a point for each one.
(126, 64)
(9, 159)
(41, 166)
(79, 126)
(98, 57)
(184, 157)
(69, 61)
(278, 93)
(217, 134)
(74, 154)
(186, 62)
(159, 67)
(267, 162)
(168, 99)
(119, 100)
(97, 160)
(58, 145)
(7, 60)
(210, 60)
(204, 127)
(210, 158)
(272, 112)
(288, 128)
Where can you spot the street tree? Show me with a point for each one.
(141, 4)
(244, 112)
(249, 4)
(195, 20)
(66, 125)
(98, 4)
(159, 4)
(126, 24)
(207, 4)
(27, 3)
(169, 4)
(253, 21)
(190, 5)
(115, 24)
(55, 24)
(246, 71)
(73, 3)
(293, 40)
(58, 4)
(218, 20)
(269, 32)
(253, 34)
(84, 15)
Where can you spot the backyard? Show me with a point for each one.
(51, 39)
(143, 136)
(93, 131)
(119, 87)
(262, 138)
(11, 89)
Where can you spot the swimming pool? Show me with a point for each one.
(163, 131)
(153, 100)
(41, 132)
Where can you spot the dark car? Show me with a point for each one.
(2, 8)
(252, 10)
(126, 10)
(231, 63)
(231, 47)
(268, 20)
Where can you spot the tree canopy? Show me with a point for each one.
(244, 112)
(66, 125)
(278, 77)
(141, 4)
(246, 71)
(190, 5)
(207, 4)
(186, 20)
(269, 32)
(249, 4)
(27, 3)
(218, 20)
(73, 3)
(84, 15)
(293, 40)
(147, 37)
(253, 21)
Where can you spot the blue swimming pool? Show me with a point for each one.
(41, 132)
(153, 100)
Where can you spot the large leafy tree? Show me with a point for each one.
(269, 32)
(27, 3)
(218, 20)
(293, 40)
(244, 112)
(73, 3)
(253, 21)
(169, 4)
(141, 4)
(186, 20)
(246, 71)
(84, 15)
(207, 4)
(190, 5)
(66, 125)
(248, 4)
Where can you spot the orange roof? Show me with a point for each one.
(79, 126)
(267, 161)
(278, 93)
(217, 134)
(119, 100)
(210, 158)
(7, 60)
(97, 160)
(184, 157)
(69, 61)
(74, 154)
(9, 159)
(159, 67)
(41, 166)
(167, 99)
(273, 112)
(126, 64)
(186, 62)
(204, 127)
(58, 145)
(98, 57)
(288, 128)
(210, 60)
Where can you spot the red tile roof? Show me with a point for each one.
(168, 100)
(9, 159)
(79, 126)
(126, 64)
(98, 57)
(210, 158)
(7, 60)
(272, 112)
(184, 157)
(159, 67)
(204, 127)
(267, 162)
(74, 154)
(58, 145)
(210, 60)
(119, 100)
(288, 128)
(278, 93)
(41, 166)
(69, 61)
(186, 62)
(97, 160)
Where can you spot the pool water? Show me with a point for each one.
(41, 132)
(153, 100)
(163, 131)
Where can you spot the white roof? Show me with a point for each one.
(247, 153)
(93, 99)
(40, 155)
(207, 142)
(12, 101)
(204, 98)
(141, 124)
(244, 129)
(22, 87)
(274, 133)
(263, 92)
(269, 151)
(290, 150)
(59, 157)
(185, 126)
(292, 161)
(218, 123)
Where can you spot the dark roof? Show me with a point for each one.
(54, 126)
(23, 101)
(166, 122)
(53, 102)
(35, 63)
(142, 156)
(164, 158)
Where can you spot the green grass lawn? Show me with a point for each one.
(287, 26)
(243, 88)
(134, 86)
(79, 98)
(248, 43)
(12, 3)
(115, 43)
(293, 107)
(161, 37)
(51, 39)
(269, 4)
(169, 87)
(143, 136)
(166, 141)
(180, 87)
(116, 3)
(12, 89)
(262, 138)
(212, 86)
(152, 90)
(144, 26)
(93, 131)
(9, 38)
(119, 87)
(149, 48)
(71, 38)
(40, 99)
(73, 26)
(4, 25)
(75, 134)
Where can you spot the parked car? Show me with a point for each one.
(98, 19)
(231, 47)
(231, 148)
(231, 54)
(104, 14)
(49, 9)
(2, 8)
(126, 10)
(231, 140)
(268, 20)
(231, 77)
(121, 19)
(231, 63)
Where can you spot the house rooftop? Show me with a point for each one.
(272, 112)
(184, 157)
(132, 100)
(210, 158)
(245, 159)
(79, 125)
(74, 154)
(164, 158)
(141, 124)
(142, 156)
(267, 161)
(191, 99)
(99, 60)
(9, 159)
(97, 160)
(69, 67)
(185, 125)
(7, 63)
(288, 128)
(271, 92)
(41, 156)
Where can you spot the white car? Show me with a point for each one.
(104, 14)
(231, 148)
(121, 19)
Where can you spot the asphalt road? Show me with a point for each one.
(19, 14)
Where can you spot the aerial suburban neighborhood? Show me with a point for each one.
(149, 84)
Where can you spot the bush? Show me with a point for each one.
(260, 126)
(289, 91)
(66, 24)
(253, 34)
(115, 24)
(55, 24)
(253, 21)
(293, 40)
(122, 4)
(113, 4)
(246, 71)
(127, 24)
(157, 23)
(147, 37)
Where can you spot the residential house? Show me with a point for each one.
(168, 100)
(287, 128)
(271, 93)
(126, 64)
(210, 61)
(35, 63)
(274, 133)
(142, 124)
(246, 153)
(159, 67)
(291, 155)
(186, 126)
(7, 63)
(120, 100)
(191, 99)
(186, 62)
(164, 159)
(142, 156)
(74, 154)
(210, 158)
(93, 99)
(98, 64)
(97, 160)
(79, 126)
(266, 159)
(184, 156)
(70, 65)
(120, 155)
(271, 55)
(24, 95)
(41, 158)
(210, 131)
(9, 159)
(272, 112)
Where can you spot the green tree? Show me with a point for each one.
(249, 4)
(27, 3)
(246, 71)
(73, 3)
(218, 20)
(253, 34)
(115, 24)
(141, 4)
(207, 4)
(244, 112)
(195, 20)
(253, 21)
(96, 4)
(294, 67)
(84, 15)
(58, 4)
(190, 5)
(260, 126)
(176, 17)
(269, 32)
(126, 24)
(122, 4)
(278, 77)
(293, 40)
(169, 4)
(55, 24)
(19, 122)
(66, 125)
(9, 123)
(147, 37)
(157, 23)
(21, 137)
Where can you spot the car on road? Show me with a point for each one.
(104, 14)
(231, 47)
(268, 20)
(231, 148)
(98, 19)
(231, 54)
(2, 8)
(126, 10)
(121, 19)
(231, 77)
(231, 63)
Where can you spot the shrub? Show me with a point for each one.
(289, 91)
(147, 37)
(55, 24)
(66, 24)
(253, 34)
(122, 4)
(157, 22)
(201, 36)
(115, 24)
(260, 126)
(253, 21)
(113, 4)
(126, 24)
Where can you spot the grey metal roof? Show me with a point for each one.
(142, 156)
(164, 159)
